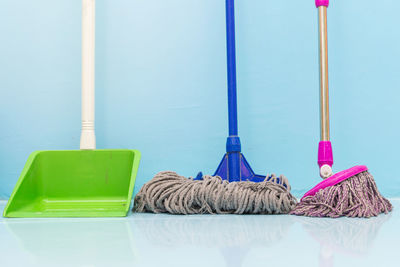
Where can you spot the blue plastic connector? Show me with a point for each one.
(233, 144)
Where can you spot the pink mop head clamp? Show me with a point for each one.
(335, 179)
(325, 155)
(319, 3)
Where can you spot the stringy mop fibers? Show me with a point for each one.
(169, 192)
(357, 196)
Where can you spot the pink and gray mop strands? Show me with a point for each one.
(168, 192)
(350, 193)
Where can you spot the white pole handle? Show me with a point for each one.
(88, 139)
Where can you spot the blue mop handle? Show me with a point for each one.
(231, 60)
(233, 147)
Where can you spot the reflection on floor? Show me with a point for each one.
(165, 240)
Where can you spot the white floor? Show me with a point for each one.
(163, 240)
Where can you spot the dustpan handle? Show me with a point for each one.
(88, 139)
(325, 156)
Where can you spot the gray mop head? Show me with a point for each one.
(357, 196)
(169, 192)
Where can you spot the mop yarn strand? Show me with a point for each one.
(357, 196)
(169, 192)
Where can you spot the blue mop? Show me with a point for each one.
(234, 166)
(234, 188)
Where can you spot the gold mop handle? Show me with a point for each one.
(325, 156)
(323, 73)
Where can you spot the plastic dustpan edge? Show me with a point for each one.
(119, 208)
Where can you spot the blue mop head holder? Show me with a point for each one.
(234, 166)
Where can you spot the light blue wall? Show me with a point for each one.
(161, 84)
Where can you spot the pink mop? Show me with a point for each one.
(352, 192)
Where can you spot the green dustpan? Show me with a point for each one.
(86, 183)
(82, 183)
